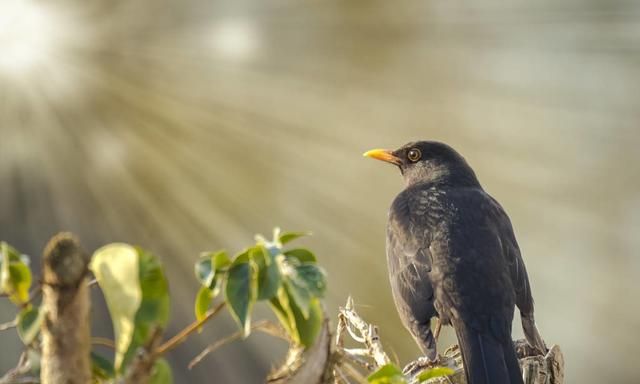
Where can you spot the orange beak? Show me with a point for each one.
(384, 155)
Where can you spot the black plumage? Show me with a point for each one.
(452, 253)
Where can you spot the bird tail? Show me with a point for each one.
(486, 359)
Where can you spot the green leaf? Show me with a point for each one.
(313, 277)
(12, 254)
(203, 301)
(308, 327)
(240, 291)
(137, 295)
(20, 280)
(269, 279)
(204, 271)
(286, 237)
(435, 372)
(220, 260)
(303, 282)
(210, 266)
(116, 269)
(29, 320)
(101, 368)
(301, 254)
(155, 306)
(297, 289)
(15, 275)
(282, 309)
(387, 374)
(161, 373)
(302, 330)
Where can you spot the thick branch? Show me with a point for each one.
(66, 338)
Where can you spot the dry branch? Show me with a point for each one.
(360, 331)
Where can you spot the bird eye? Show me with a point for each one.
(414, 154)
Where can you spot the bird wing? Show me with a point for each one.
(511, 252)
(409, 260)
(519, 278)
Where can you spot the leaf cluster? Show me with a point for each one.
(288, 279)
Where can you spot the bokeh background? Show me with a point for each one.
(190, 125)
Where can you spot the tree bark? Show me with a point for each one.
(66, 336)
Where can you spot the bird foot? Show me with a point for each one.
(420, 364)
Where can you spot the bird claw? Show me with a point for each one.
(420, 364)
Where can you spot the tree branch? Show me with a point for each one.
(66, 337)
(186, 332)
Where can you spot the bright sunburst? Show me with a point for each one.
(29, 33)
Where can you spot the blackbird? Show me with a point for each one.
(452, 254)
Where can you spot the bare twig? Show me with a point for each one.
(186, 332)
(8, 325)
(15, 374)
(103, 341)
(263, 325)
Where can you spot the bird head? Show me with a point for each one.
(428, 162)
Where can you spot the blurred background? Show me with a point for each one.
(190, 125)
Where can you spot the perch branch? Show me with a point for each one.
(536, 368)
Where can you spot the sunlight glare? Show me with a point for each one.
(28, 34)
